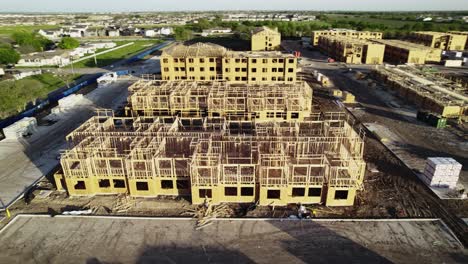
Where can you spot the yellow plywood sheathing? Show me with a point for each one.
(217, 159)
(352, 50)
(344, 33)
(264, 39)
(210, 62)
(440, 40)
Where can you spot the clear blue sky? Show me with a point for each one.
(189, 5)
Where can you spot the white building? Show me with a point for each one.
(166, 31)
(150, 33)
(82, 51)
(158, 32)
(49, 58)
(214, 31)
(51, 34)
(113, 33)
(102, 45)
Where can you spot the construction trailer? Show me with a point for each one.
(216, 159)
(352, 50)
(210, 62)
(344, 33)
(402, 52)
(265, 39)
(439, 40)
(427, 90)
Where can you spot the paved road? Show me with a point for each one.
(25, 161)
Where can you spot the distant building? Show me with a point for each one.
(207, 61)
(352, 50)
(464, 33)
(214, 31)
(402, 52)
(165, 31)
(150, 33)
(440, 40)
(51, 34)
(264, 38)
(113, 32)
(103, 45)
(345, 33)
(48, 58)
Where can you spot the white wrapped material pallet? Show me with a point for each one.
(25, 126)
(442, 172)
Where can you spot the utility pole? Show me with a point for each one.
(73, 70)
(95, 59)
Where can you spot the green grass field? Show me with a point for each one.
(15, 95)
(8, 30)
(116, 55)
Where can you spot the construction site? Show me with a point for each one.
(218, 136)
(344, 33)
(218, 142)
(352, 50)
(426, 90)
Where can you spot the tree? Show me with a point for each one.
(68, 43)
(8, 56)
(182, 34)
(33, 40)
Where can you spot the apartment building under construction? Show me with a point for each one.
(401, 52)
(352, 50)
(261, 102)
(463, 33)
(344, 33)
(217, 158)
(209, 62)
(440, 40)
(428, 91)
(265, 39)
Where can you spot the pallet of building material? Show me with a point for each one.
(442, 172)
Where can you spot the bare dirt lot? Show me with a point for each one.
(126, 240)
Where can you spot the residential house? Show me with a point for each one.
(48, 58)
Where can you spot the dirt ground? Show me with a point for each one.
(69, 239)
